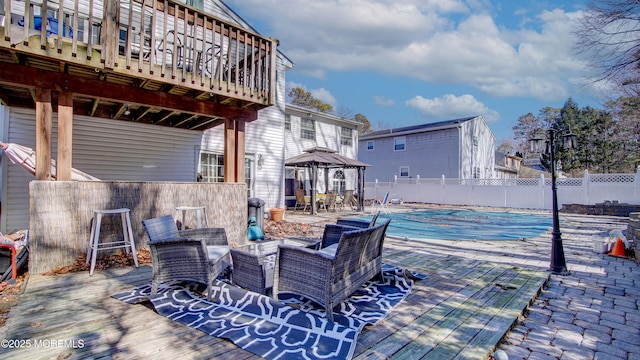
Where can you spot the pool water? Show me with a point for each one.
(465, 224)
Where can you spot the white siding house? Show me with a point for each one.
(130, 151)
(460, 148)
(264, 148)
(306, 129)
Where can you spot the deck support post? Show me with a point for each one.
(44, 115)
(65, 135)
(234, 156)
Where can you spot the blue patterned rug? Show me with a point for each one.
(292, 327)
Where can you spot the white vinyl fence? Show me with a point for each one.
(526, 193)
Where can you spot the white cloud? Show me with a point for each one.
(382, 101)
(436, 41)
(452, 107)
(324, 95)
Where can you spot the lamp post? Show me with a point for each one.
(558, 263)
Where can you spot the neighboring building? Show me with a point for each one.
(168, 128)
(461, 148)
(507, 166)
(306, 129)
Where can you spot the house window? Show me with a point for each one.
(339, 183)
(370, 145)
(476, 172)
(308, 129)
(211, 167)
(248, 175)
(198, 4)
(287, 122)
(346, 136)
(404, 171)
(399, 143)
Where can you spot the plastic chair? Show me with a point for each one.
(381, 203)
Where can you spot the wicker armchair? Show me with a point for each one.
(182, 255)
(332, 234)
(359, 223)
(330, 275)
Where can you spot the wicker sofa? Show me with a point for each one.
(359, 223)
(195, 254)
(331, 274)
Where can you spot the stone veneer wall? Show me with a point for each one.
(61, 213)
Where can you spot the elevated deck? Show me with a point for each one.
(158, 62)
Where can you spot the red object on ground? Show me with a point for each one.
(618, 249)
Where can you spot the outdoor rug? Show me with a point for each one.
(292, 327)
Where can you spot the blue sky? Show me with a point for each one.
(408, 62)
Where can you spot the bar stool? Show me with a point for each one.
(199, 211)
(94, 241)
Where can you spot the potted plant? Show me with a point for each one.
(277, 213)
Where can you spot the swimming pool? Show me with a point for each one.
(465, 224)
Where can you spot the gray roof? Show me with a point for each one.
(323, 157)
(417, 128)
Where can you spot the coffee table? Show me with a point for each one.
(254, 264)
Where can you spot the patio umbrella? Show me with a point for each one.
(26, 158)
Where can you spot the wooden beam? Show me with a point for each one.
(230, 150)
(186, 120)
(167, 116)
(142, 112)
(205, 122)
(4, 97)
(65, 134)
(240, 145)
(94, 106)
(122, 108)
(110, 33)
(25, 76)
(44, 114)
(234, 143)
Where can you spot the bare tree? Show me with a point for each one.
(344, 112)
(609, 37)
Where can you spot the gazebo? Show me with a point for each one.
(320, 157)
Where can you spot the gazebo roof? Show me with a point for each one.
(323, 157)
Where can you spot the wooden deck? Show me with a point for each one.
(462, 310)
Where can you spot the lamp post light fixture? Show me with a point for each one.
(558, 263)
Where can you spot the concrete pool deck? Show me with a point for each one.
(594, 313)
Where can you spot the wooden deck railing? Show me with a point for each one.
(157, 40)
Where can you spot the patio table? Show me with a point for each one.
(254, 264)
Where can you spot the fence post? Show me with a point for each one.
(417, 179)
(395, 179)
(585, 186)
(442, 184)
(504, 191)
(542, 188)
(637, 185)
